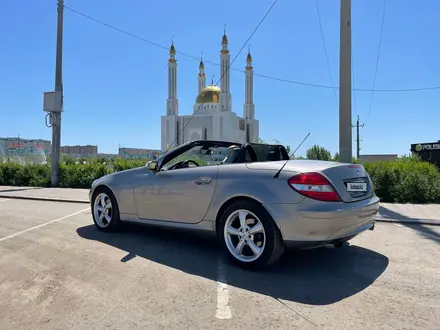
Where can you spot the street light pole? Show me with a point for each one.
(345, 133)
(56, 115)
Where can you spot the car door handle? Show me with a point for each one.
(203, 180)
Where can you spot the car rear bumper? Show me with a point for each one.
(316, 223)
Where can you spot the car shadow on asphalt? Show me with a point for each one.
(316, 277)
(419, 228)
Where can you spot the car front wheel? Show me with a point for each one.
(105, 210)
(250, 236)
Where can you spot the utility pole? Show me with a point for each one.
(345, 133)
(53, 101)
(358, 148)
(56, 128)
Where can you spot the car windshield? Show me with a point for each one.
(201, 155)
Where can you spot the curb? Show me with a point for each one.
(45, 199)
(410, 221)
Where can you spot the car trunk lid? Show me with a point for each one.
(351, 181)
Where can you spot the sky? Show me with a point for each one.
(115, 85)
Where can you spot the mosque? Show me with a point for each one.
(212, 117)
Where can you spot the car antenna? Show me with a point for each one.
(293, 153)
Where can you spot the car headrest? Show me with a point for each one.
(231, 156)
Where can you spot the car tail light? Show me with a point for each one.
(315, 186)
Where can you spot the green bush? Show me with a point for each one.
(81, 175)
(405, 180)
(14, 174)
(121, 164)
(336, 158)
(74, 173)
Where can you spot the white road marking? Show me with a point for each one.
(4, 200)
(223, 310)
(42, 225)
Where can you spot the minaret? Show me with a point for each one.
(225, 86)
(172, 103)
(202, 78)
(251, 125)
(249, 107)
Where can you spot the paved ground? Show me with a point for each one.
(402, 213)
(414, 213)
(58, 272)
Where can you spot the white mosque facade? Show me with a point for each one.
(212, 117)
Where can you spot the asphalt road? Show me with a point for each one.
(58, 272)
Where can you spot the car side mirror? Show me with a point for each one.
(152, 165)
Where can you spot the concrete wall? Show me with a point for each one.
(375, 158)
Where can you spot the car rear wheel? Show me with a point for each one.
(250, 235)
(105, 210)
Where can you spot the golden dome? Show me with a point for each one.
(224, 39)
(172, 50)
(210, 94)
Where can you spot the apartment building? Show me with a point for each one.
(80, 151)
(139, 153)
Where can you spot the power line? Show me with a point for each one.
(289, 81)
(325, 51)
(377, 58)
(115, 28)
(227, 69)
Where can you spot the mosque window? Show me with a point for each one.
(241, 125)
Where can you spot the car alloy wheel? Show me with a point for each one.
(244, 235)
(249, 235)
(103, 210)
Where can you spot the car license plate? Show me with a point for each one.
(356, 186)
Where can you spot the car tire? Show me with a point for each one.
(265, 246)
(105, 210)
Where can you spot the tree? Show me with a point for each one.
(261, 141)
(318, 153)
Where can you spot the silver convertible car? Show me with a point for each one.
(256, 200)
